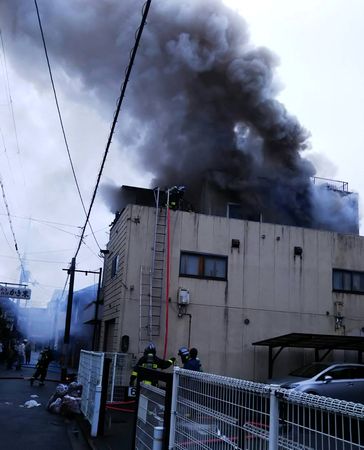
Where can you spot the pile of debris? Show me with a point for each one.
(66, 400)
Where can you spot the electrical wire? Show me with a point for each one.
(46, 261)
(50, 224)
(46, 221)
(9, 94)
(61, 121)
(11, 223)
(5, 237)
(116, 114)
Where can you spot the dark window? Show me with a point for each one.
(348, 281)
(357, 372)
(234, 211)
(114, 266)
(203, 266)
(339, 373)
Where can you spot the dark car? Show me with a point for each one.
(344, 381)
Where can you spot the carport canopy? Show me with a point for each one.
(318, 342)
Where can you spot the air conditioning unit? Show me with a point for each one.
(183, 297)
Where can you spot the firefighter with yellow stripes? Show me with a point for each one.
(150, 361)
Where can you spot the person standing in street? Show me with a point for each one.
(41, 367)
(21, 351)
(28, 351)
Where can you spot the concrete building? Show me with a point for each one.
(226, 283)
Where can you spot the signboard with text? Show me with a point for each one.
(15, 292)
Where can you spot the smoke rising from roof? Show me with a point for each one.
(201, 106)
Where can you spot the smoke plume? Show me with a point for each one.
(201, 106)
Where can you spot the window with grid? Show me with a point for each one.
(348, 281)
(201, 265)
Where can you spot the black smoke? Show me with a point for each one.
(201, 107)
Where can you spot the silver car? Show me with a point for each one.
(344, 381)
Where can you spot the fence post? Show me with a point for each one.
(97, 401)
(273, 421)
(113, 377)
(172, 429)
(158, 438)
(103, 397)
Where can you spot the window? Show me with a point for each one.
(115, 265)
(357, 372)
(234, 211)
(348, 281)
(203, 266)
(339, 373)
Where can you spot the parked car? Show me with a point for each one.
(343, 381)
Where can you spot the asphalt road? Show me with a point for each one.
(33, 428)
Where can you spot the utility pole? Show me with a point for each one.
(96, 324)
(67, 327)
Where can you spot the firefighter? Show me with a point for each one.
(150, 361)
(189, 359)
(184, 353)
(41, 367)
(193, 363)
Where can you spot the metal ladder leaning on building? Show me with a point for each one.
(151, 280)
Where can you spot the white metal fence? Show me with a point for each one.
(119, 375)
(90, 371)
(215, 412)
(150, 418)
(314, 422)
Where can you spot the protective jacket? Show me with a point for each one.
(193, 364)
(150, 361)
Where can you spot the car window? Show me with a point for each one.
(309, 371)
(338, 373)
(357, 372)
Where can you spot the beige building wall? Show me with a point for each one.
(269, 291)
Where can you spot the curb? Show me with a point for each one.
(80, 420)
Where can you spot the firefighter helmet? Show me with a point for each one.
(183, 352)
(150, 348)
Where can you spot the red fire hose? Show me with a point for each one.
(167, 281)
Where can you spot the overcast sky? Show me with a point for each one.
(321, 66)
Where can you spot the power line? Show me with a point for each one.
(61, 120)
(45, 261)
(9, 93)
(45, 221)
(116, 114)
(5, 237)
(11, 224)
(48, 224)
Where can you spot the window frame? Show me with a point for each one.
(350, 274)
(115, 265)
(201, 265)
